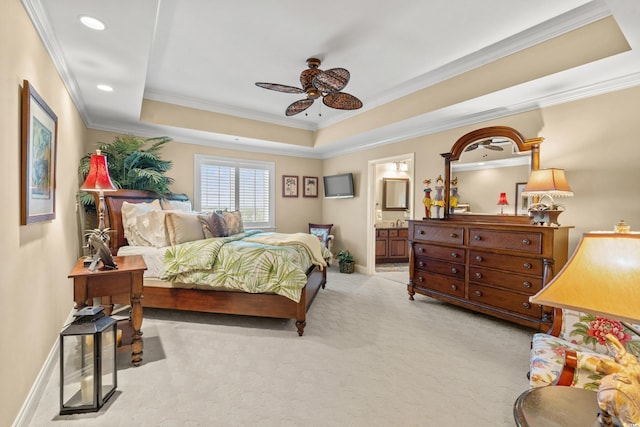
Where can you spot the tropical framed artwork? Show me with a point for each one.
(39, 142)
(310, 186)
(289, 186)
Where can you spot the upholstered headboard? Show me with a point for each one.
(113, 211)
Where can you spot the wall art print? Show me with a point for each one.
(289, 186)
(38, 157)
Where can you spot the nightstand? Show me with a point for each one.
(105, 284)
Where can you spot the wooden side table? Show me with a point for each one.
(126, 279)
(559, 406)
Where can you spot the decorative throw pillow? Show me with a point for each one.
(150, 226)
(321, 232)
(176, 205)
(234, 222)
(183, 227)
(129, 213)
(213, 225)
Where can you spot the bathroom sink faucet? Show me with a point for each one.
(399, 222)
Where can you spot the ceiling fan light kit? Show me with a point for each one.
(317, 83)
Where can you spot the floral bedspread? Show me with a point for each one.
(234, 264)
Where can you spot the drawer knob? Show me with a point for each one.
(421, 264)
(477, 237)
(526, 305)
(478, 275)
(479, 258)
(453, 235)
(420, 231)
(527, 265)
(526, 284)
(454, 287)
(478, 293)
(420, 279)
(420, 249)
(526, 242)
(454, 254)
(454, 270)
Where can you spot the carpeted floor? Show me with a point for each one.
(369, 357)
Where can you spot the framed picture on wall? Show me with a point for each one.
(289, 186)
(39, 142)
(522, 202)
(310, 186)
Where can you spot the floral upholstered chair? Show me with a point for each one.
(323, 233)
(571, 357)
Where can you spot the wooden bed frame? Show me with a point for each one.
(227, 302)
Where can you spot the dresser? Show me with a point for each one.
(392, 245)
(487, 267)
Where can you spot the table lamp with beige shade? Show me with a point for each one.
(603, 278)
(546, 184)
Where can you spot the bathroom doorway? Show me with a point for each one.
(391, 203)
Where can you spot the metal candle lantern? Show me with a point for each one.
(88, 374)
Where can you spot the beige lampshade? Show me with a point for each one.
(602, 277)
(550, 182)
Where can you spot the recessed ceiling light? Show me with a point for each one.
(92, 23)
(105, 88)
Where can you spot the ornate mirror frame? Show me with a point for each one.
(532, 145)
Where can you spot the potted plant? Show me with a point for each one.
(345, 261)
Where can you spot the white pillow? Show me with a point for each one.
(129, 213)
(183, 227)
(176, 205)
(151, 228)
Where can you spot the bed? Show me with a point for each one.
(163, 294)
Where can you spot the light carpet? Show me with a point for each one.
(369, 357)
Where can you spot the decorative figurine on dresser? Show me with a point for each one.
(485, 262)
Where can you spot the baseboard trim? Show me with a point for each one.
(37, 389)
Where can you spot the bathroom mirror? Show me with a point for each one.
(486, 162)
(395, 194)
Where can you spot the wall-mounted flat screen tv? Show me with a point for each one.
(338, 186)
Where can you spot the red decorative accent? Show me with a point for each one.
(503, 199)
(602, 326)
(98, 178)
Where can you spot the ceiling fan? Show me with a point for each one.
(317, 83)
(489, 144)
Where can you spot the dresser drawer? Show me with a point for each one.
(505, 279)
(522, 241)
(382, 233)
(453, 235)
(440, 267)
(440, 252)
(524, 265)
(504, 299)
(437, 283)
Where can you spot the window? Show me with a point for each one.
(236, 184)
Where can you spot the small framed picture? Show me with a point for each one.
(310, 185)
(522, 202)
(289, 186)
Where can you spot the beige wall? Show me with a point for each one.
(292, 214)
(594, 140)
(36, 296)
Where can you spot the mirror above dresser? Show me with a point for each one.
(481, 165)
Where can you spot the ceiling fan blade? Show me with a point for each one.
(279, 88)
(333, 80)
(493, 147)
(342, 101)
(298, 107)
(472, 146)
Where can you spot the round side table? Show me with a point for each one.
(559, 406)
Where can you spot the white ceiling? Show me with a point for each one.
(207, 54)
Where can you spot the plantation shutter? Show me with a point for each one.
(236, 184)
